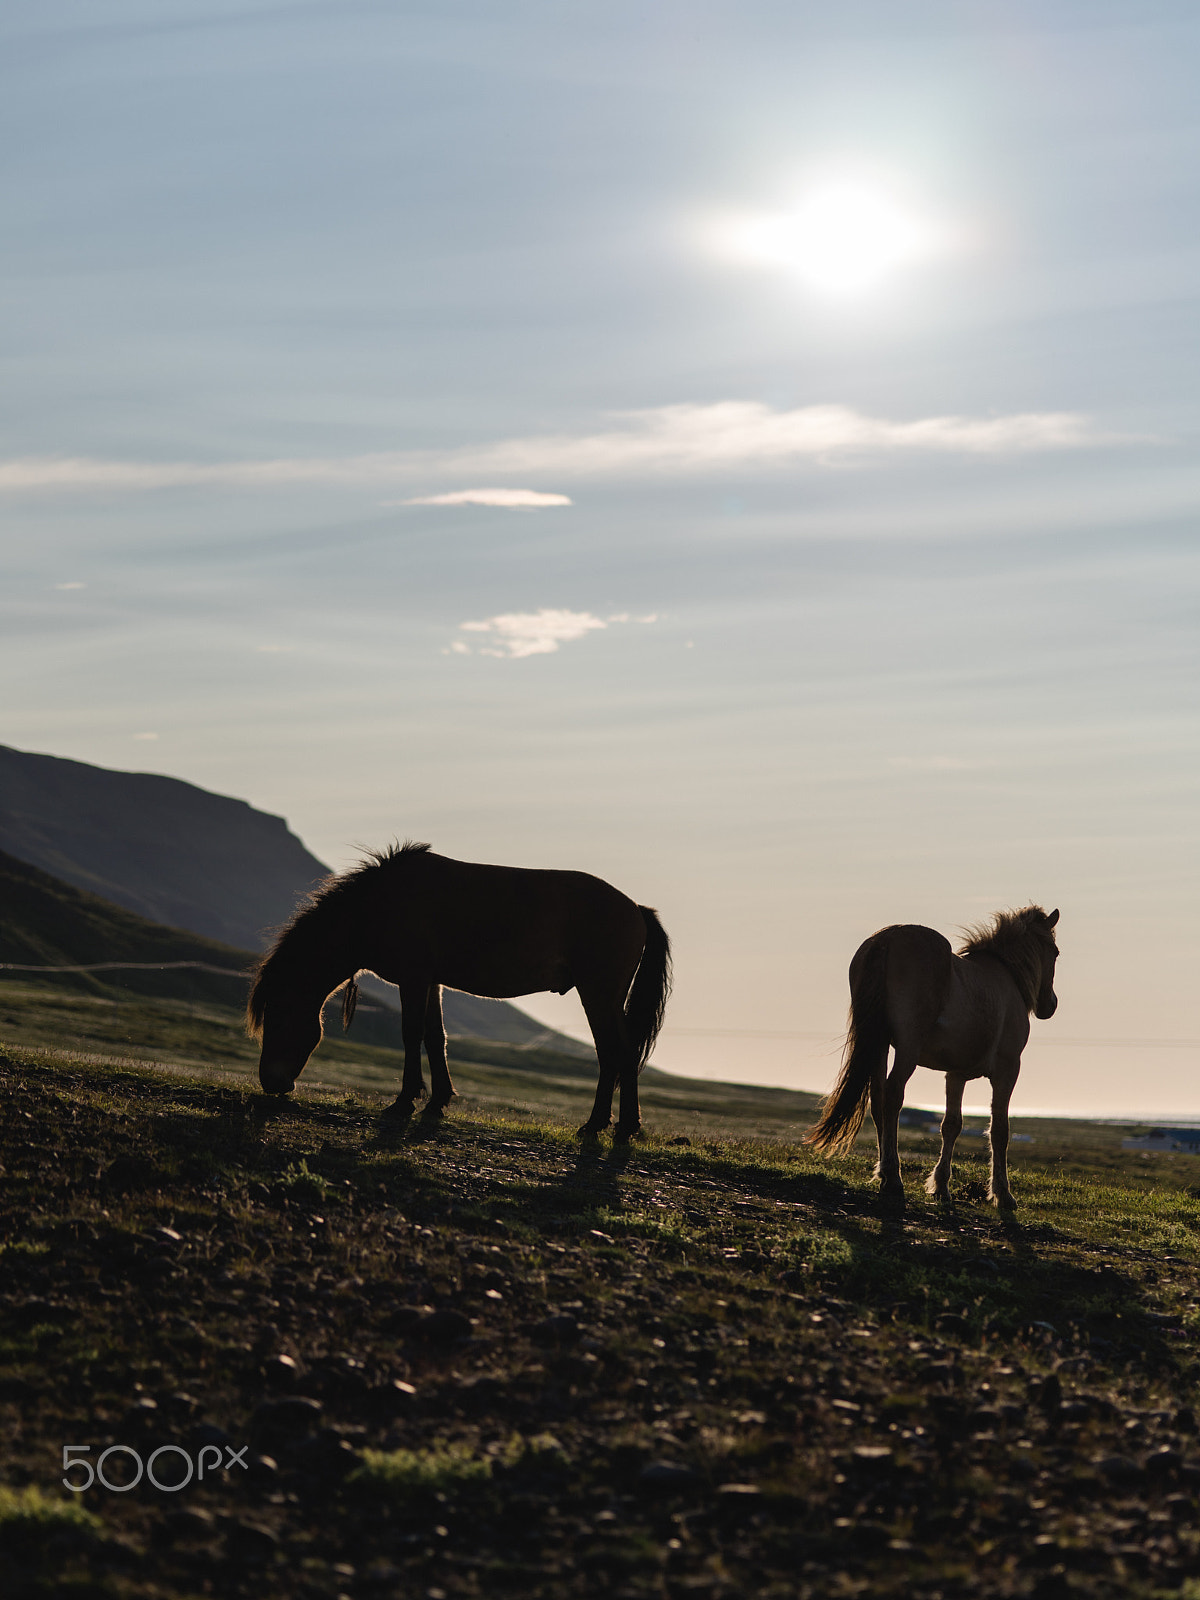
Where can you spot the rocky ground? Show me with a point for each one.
(475, 1358)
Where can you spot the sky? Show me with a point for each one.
(746, 451)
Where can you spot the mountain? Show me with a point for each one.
(185, 859)
(171, 852)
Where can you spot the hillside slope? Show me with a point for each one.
(48, 923)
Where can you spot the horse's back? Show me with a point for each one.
(506, 931)
(524, 890)
(909, 966)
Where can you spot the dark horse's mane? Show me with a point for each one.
(329, 898)
(1018, 939)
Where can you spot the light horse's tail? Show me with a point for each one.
(647, 1002)
(867, 1042)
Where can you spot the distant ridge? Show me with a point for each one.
(187, 859)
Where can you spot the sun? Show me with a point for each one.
(842, 237)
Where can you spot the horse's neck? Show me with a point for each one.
(324, 967)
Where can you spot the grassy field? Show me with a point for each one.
(473, 1357)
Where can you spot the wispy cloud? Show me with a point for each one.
(535, 633)
(509, 499)
(677, 440)
(149, 736)
(70, 585)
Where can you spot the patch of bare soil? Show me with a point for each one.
(475, 1359)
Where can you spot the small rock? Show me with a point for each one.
(289, 1414)
(443, 1327)
(281, 1372)
(188, 1523)
(1050, 1393)
(667, 1477)
(1159, 1463)
(404, 1318)
(561, 1329)
(251, 1542)
(1119, 1469)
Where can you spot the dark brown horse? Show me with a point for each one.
(966, 1015)
(420, 920)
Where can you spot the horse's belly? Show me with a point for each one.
(504, 978)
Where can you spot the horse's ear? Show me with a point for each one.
(1052, 918)
(349, 1001)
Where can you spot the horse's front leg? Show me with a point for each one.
(441, 1089)
(937, 1183)
(413, 1000)
(1003, 1085)
(891, 1184)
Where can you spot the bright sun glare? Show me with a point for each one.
(842, 238)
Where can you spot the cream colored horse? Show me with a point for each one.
(966, 1015)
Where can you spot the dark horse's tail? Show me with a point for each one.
(647, 1002)
(867, 1042)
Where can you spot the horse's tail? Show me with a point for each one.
(647, 1002)
(867, 1041)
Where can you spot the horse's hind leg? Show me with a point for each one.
(878, 1107)
(413, 1000)
(608, 1031)
(630, 1120)
(891, 1184)
(938, 1181)
(441, 1090)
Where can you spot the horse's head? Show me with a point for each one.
(288, 1039)
(1047, 1001)
(281, 1013)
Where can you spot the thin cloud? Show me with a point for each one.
(70, 585)
(145, 736)
(509, 499)
(534, 633)
(677, 440)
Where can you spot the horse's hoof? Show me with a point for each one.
(892, 1196)
(1004, 1203)
(591, 1131)
(434, 1111)
(624, 1135)
(400, 1110)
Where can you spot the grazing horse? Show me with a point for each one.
(420, 920)
(966, 1015)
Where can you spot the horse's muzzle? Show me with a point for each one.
(276, 1082)
(1047, 1008)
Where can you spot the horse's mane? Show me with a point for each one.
(1018, 939)
(329, 899)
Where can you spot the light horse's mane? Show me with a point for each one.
(1020, 940)
(329, 900)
